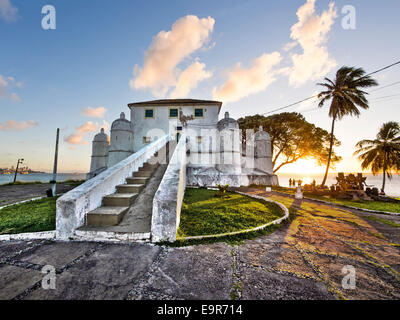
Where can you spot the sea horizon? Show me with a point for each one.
(392, 186)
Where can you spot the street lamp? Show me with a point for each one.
(16, 170)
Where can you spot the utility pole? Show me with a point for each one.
(53, 187)
(16, 170)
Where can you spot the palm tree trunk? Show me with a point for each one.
(384, 173)
(330, 152)
(384, 180)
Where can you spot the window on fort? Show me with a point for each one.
(199, 112)
(149, 113)
(173, 113)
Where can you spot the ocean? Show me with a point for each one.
(392, 186)
(42, 177)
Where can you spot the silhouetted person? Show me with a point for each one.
(290, 183)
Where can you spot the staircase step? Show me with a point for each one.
(119, 199)
(149, 167)
(106, 216)
(130, 188)
(137, 180)
(146, 174)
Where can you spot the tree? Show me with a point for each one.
(292, 138)
(345, 95)
(383, 153)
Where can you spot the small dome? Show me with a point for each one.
(100, 137)
(227, 123)
(122, 124)
(261, 134)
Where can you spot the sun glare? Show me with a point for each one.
(303, 166)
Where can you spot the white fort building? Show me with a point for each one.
(149, 160)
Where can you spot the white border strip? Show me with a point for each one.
(278, 221)
(28, 200)
(29, 236)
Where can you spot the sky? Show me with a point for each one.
(254, 56)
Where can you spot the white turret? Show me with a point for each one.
(99, 160)
(263, 152)
(229, 137)
(121, 145)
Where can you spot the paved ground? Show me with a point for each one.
(302, 260)
(14, 193)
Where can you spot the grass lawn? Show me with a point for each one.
(32, 216)
(371, 205)
(204, 214)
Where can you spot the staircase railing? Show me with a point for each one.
(73, 206)
(168, 199)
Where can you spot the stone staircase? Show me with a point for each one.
(115, 206)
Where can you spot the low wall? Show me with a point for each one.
(73, 206)
(211, 177)
(168, 199)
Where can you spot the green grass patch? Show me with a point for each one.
(388, 222)
(32, 216)
(204, 214)
(370, 205)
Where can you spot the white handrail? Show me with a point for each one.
(168, 199)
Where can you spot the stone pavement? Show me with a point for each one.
(301, 260)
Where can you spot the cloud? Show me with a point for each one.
(12, 125)
(15, 97)
(7, 12)
(3, 87)
(94, 112)
(80, 132)
(311, 33)
(189, 79)
(243, 82)
(168, 48)
(6, 83)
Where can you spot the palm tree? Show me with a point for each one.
(383, 153)
(346, 96)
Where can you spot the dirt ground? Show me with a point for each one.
(15, 193)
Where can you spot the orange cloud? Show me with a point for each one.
(243, 82)
(159, 72)
(311, 33)
(94, 112)
(189, 79)
(12, 125)
(77, 137)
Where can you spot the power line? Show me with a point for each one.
(392, 95)
(306, 99)
(387, 86)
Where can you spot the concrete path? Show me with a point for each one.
(302, 260)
